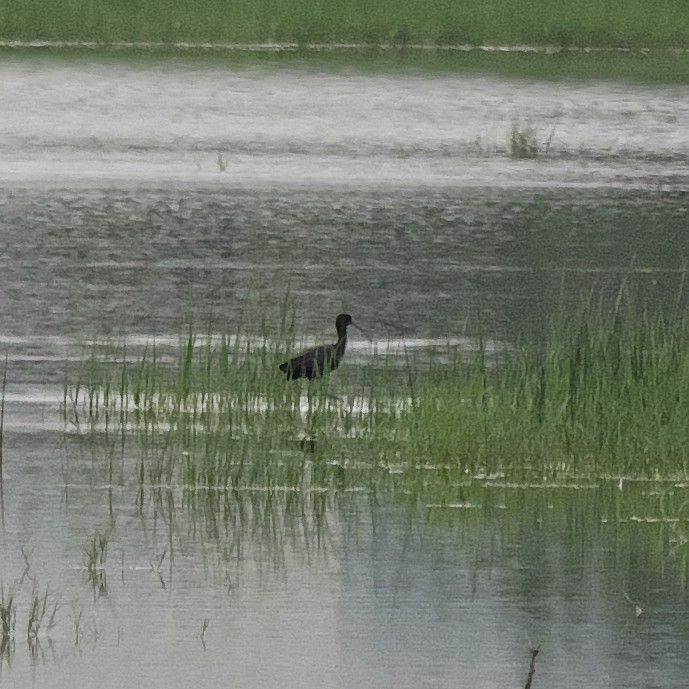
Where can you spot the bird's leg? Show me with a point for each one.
(310, 410)
(330, 395)
(325, 394)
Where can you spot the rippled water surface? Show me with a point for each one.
(134, 199)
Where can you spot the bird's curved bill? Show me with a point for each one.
(362, 331)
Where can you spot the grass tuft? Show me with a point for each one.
(95, 558)
(524, 144)
(8, 619)
(42, 609)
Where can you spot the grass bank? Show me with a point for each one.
(604, 394)
(617, 23)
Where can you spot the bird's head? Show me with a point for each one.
(342, 321)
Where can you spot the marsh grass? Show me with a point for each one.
(524, 142)
(208, 409)
(37, 610)
(606, 391)
(42, 611)
(8, 620)
(96, 552)
(95, 558)
(617, 23)
(603, 392)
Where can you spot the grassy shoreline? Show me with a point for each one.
(617, 23)
(394, 36)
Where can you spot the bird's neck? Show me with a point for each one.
(341, 343)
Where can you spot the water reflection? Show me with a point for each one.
(409, 584)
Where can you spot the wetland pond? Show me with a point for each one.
(443, 212)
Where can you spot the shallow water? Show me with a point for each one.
(393, 198)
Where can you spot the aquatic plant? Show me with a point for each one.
(95, 557)
(78, 632)
(524, 144)
(603, 391)
(96, 552)
(40, 605)
(8, 619)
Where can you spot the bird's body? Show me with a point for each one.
(314, 362)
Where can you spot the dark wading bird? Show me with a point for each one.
(314, 362)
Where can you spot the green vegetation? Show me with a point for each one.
(524, 143)
(619, 23)
(37, 609)
(605, 394)
(95, 557)
(8, 619)
(637, 40)
(40, 606)
(585, 427)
